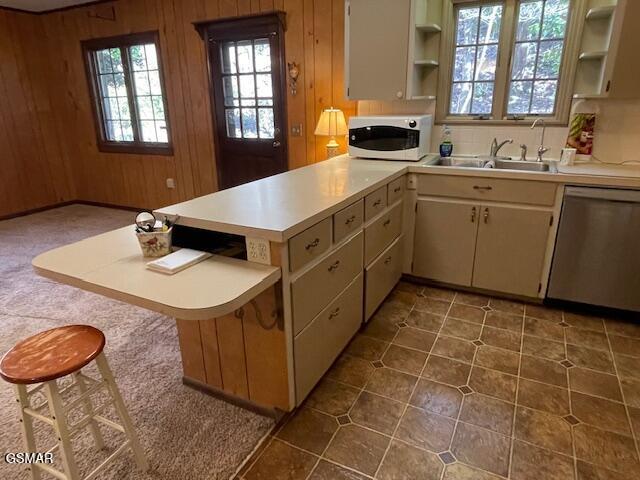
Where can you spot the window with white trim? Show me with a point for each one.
(507, 60)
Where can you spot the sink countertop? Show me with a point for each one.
(277, 208)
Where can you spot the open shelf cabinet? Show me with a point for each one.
(424, 49)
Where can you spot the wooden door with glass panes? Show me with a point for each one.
(246, 68)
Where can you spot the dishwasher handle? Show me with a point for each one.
(611, 194)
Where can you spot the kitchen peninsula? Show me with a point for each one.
(331, 240)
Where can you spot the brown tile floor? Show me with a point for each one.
(446, 385)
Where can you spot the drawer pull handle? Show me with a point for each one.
(478, 187)
(387, 260)
(387, 222)
(335, 313)
(486, 215)
(377, 203)
(313, 244)
(473, 215)
(350, 220)
(397, 189)
(334, 266)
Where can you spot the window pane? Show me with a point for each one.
(549, 59)
(265, 117)
(249, 129)
(461, 98)
(123, 108)
(265, 90)
(229, 58)
(486, 63)
(524, 61)
(108, 85)
(262, 51)
(114, 131)
(145, 109)
(544, 96)
(154, 82)
(148, 130)
(482, 98)
(467, 26)
(267, 102)
(116, 59)
(141, 80)
(233, 122)
(127, 131)
(230, 89)
(104, 61)
(158, 107)
(529, 20)
(555, 18)
(138, 58)
(111, 109)
(152, 56)
(245, 56)
(464, 63)
(247, 86)
(490, 21)
(161, 131)
(519, 97)
(248, 102)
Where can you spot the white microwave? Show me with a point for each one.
(390, 137)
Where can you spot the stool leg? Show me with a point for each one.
(88, 407)
(138, 453)
(62, 430)
(26, 422)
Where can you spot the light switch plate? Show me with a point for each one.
(258, 250)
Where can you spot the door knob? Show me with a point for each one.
(276, 144)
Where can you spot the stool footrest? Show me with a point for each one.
(119, 451)
(39, 416)
(50, 470)
(109, 423)
(78, 401)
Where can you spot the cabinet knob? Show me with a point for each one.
(350, 220)
(473, 214)
(387, 260)
(335, 313)
(397, 189)
(334, 266)
(486, 215)
(387, 222)
(399, 94)
(377, 202)
(478, 187)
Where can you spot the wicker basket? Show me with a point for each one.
(155, 244)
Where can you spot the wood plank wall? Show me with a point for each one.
(56, 101)
(35, 169)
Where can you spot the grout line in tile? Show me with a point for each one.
(517, 394)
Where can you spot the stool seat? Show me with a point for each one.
(51, 354)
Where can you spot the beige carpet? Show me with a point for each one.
(186, 434)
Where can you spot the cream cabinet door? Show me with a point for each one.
(376, 46)
(445, 240)
(512, 242)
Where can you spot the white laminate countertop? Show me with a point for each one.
(278, 207)
(112, 265)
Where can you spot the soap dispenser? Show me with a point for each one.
(446, 146)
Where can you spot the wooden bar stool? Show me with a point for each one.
(51, 355)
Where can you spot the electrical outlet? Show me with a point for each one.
(258, 250)
(171, 183)
(412, 181)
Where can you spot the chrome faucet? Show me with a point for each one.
(495, 146)
(541, 149)
(523, 152)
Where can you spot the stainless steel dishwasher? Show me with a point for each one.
(597, 255)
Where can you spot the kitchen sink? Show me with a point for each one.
(499, 163)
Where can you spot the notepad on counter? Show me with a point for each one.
(177, 261)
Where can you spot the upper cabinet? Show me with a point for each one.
(392, 49)
(376, 42)
(607, 64)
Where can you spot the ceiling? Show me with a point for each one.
(39, 6)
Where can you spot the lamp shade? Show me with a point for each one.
(332, 123)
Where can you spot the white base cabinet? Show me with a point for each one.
(487, 246)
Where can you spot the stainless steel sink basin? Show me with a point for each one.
(488, 162)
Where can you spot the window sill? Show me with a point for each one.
(136, 149)
(525, 122)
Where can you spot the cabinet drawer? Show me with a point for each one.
(381, 233)
(348, 220)
(494, 189)
(395, 190)
(316, 288)
(318, 345)
(309, 244)
(381, 276)
(375, 202)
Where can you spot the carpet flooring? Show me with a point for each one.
(185, 434)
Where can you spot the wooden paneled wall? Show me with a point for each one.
(35, 169)
(55, 103)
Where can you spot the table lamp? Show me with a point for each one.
(331, 124)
